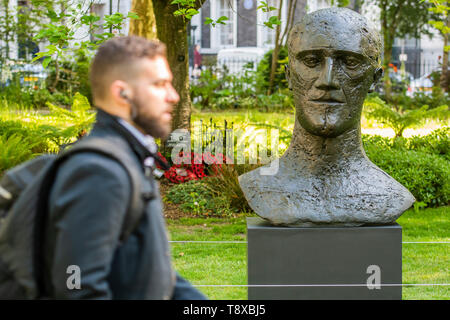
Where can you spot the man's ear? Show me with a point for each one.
(288, 75)
(120, 92)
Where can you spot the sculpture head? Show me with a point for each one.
(334, 59)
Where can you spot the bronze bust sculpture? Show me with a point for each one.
(324, 177)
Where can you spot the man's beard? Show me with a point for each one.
(150, 125)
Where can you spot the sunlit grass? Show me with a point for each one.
(286, 121)
(215, 263)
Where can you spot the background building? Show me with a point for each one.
(244, 29)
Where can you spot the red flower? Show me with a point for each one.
(193, 166)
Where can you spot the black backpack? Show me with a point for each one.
(24, 191)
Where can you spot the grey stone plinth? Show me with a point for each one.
(324, 256)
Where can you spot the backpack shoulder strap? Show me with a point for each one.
(139, 191)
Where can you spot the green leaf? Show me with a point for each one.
(274, 20)
(268, 25)
(437, 24)
(89, 19)
(419, 205)
(46, 62)
(179, 12)
(80, 104)
(190, 13)
(133, 15)
(222, 19)
(52, 15)
(39, 55)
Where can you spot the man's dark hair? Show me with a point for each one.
(116, 59)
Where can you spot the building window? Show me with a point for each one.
(226, 32)
(313, 5)
(98, 9)
(26, 46)
(322, 4)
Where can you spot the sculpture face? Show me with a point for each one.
(331, 62)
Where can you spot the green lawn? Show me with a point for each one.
(218, 263)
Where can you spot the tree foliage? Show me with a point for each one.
(376, 108)
(440, 9)
(63, 19)
(400, 19)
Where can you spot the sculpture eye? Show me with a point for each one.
(311, 61)
(350, 62)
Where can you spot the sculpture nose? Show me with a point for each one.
(326, 80)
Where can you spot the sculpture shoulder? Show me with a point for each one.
(360, 193)
(374, 178)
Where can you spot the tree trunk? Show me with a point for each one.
(6, 32)
(444, 73)
(389, 22)
(399, 133)
(173, 32)
(275, 52)
(145, 26)
(55, 82)
(290, 20)
(387, 59)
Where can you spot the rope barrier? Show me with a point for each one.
(314, 285)
(322, 285)
(242, 242)
(207, 242)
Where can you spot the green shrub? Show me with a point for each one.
(46, 133)
(13, 151)
(34, 98)
(437, 142)
(225, 91)
(225, 184)
(195, 196)
(376, 108)
(219, 195)
(60, 99)
(219, 89)
(81, 69)
(435, 99)
(39, 98)
(40, 138)
(280, 100)
(427, 176)
(264, 68)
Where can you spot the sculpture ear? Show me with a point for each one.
(288, 75)
(376, 77)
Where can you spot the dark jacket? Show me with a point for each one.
(87, 207)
